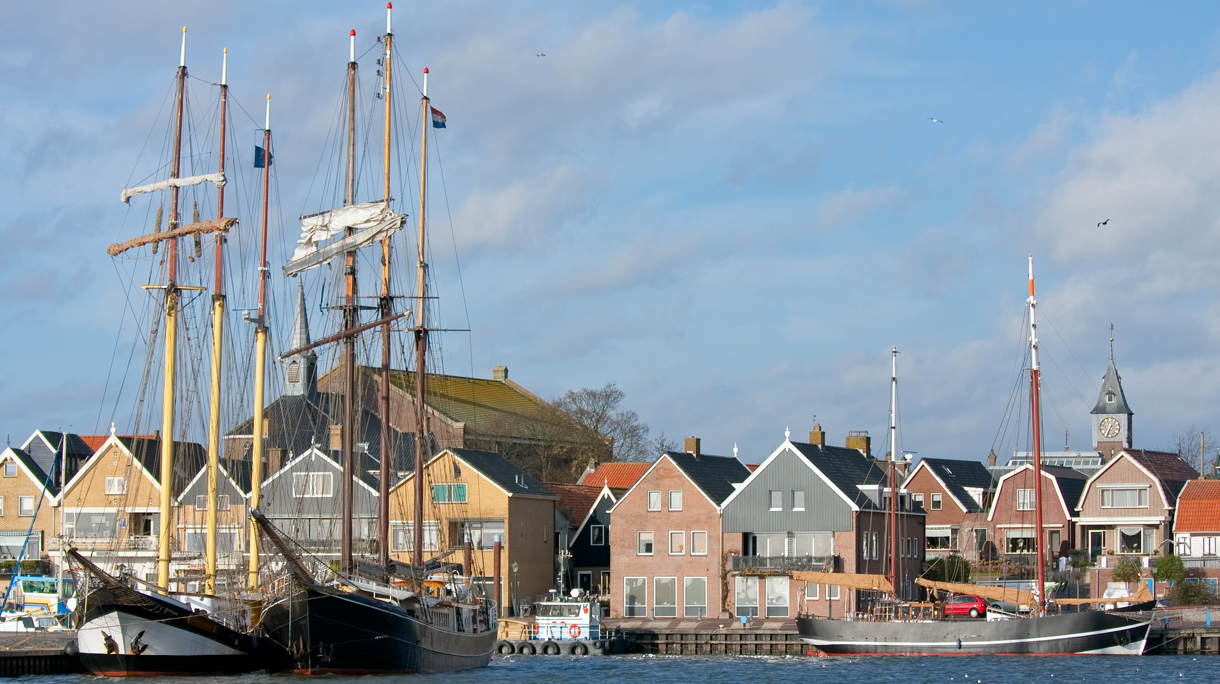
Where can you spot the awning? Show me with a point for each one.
(940, 530)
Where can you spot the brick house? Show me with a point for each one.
(22, 482)
(956, 496)
(668, 556)
(1012, 514)
(811, 507)
(232, 498)
(1196, 529)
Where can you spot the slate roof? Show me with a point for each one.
(1112, 382)
(846, 469)
(1071, 485)
(713, 475)
(1172, 473)
(575, 501)
(39, 474)
(509, 477)
(189, 457)
(1198, 507)
(616, 475)
(77, 452)
(957, 475)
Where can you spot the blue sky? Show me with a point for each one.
(733, 211)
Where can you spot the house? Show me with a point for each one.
(232, 497)
(812, 507)
(481, 498)
(956, 496)
(46, 446)
(1196, 529)
(1013, 513)
(668, 554)
(27, 506)
(619, 477)
(588, 543)
(574, 506)
(1127, 507)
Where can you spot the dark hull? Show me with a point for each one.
(326, 631)
(164, 666)
(1100, 633)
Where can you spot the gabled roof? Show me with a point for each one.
(510, 479)
(616, 475)
(189, 457)
(955, 476)
(43, 447)
(1069, 484)
(713, 475)
(224, 474)
(846, 469)
(1198, 507)
(1169, 469)
(575, 501)
(33, 471)
(1112, 382)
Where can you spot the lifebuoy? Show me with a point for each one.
(574, 631)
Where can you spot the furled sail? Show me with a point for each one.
(850, 580)
(1020, 597)
(373, 221)
(216, 178)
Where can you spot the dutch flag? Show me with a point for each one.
(438, 119)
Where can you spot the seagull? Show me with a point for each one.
(934, 120)
(542, 54)
(1099, 225)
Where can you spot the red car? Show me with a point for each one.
(974, 606)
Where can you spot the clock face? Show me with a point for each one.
(1109, 427)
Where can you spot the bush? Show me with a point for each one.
(28, 567)
(1192, 594)
(1169, 569)
(1127, 571)
(951, 568)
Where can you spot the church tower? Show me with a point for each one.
(300, 370)
(1111, 415)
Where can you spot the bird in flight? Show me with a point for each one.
(1099, 225)
(542, 54)
(934, 120)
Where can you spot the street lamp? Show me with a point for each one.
(514, 567)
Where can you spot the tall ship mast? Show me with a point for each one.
(389, 621)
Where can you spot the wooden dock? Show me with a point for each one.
(38, 653)
(774, 636)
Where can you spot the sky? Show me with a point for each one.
(733, 211)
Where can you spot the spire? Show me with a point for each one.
(300, 376)
(1111, 400)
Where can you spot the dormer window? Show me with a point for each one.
(1110, 397)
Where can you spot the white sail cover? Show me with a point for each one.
(373, 221)
(217, 178)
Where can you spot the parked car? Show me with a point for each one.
(974, 606)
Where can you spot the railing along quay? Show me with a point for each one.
(760, 636)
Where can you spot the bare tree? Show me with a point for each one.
(660, 445)
(1186, 446)
(598, 409)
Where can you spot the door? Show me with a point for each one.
(584, 580)
(1097, 543)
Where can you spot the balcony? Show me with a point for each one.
(778, 565)
(1200, 562)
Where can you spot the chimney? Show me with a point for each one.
(336, 438)
(859, 440)
(816, 436)
(499, 373)
(692, 446)
(991, 458)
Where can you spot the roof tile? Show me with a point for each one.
(616, 475)
(1198, 507)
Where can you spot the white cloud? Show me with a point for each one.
(850, 205)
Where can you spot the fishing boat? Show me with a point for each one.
(1112, 632)
(378, 616)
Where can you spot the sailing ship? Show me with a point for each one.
(1113, 632)
(372, 617)
(149, 631)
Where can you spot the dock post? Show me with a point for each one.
(496, 564)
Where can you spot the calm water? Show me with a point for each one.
(777, 670)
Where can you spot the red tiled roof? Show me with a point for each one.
(574, 500)
(95, 442)
(616, 475)
(1198, 509)
(753, 466)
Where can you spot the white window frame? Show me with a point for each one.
(651, 499)
(1, 505)
(1141, 496)
(777, 496)
(696, 534)
(1183, 543)
(1208, 547)
(876, 546)
(677, 597)
(832, 592)
(201, 502)
(306, 485)
(680, 535)
(640, 606)
(918, 498)
(222, 502)
(672, 492)
(116, 486)
(798, 499)
(10, 467)
(811, 591)
(24, 504)
(687, 605)
(1025, 499)
(937, 501)
(639, 543)
(599, 528)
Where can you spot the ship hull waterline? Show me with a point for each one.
(327, 631)
(1092, 633)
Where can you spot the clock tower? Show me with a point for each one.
(1111, 415)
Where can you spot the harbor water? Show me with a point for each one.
(770, 670)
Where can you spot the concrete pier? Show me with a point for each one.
(690, 636)
(37, 653)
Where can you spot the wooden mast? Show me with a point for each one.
(421, 345)
(1035, 414)
(260, 360)
(387, 306)
(171, 343)
(894, 473)
(349, 320)
(218, 321)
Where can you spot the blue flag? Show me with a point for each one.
(262, 158)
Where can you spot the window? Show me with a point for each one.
(201, 502)
(2, 507)
(402, 536)
(597, 535)
(876, 547)
(777, 596)
(654, 501)
(677, 543)
(1110, 397)
(1020, 541)
(480, 534)
(25, 506)
(918, 499)
(1209, 546)
(643, 545)
(832, 592)
(1131, 540)
(1053, 539)
(698, 543)
(665, 597)
(694, 591)
(116, 485)
(1025, 499)
(10, 469)
(675, 499)
(448, 493)
(1124, 498)
(798, 500)
(936, 502)
(747, 596)
(635, 597)
(197, 540)
(777, 500)
(310, 485)
(294, 371)
(811, 591)
(222, 502)
(1183, 544)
